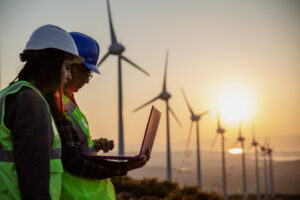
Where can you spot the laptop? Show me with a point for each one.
(149, 137)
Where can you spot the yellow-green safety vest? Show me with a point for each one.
(76, 187)
(9, 188)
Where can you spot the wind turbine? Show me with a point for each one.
(269, 153)
(220, 130)
(117, 49)
(165, 96)
(195, 118)
(241, 139)
(255, 144)
(264, 151)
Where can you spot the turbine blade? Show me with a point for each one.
(249, 148)
(112, 32)
(213, 143)
(102, 60)
(165, 74)
(172, 112)
(186, 101)
(145, 104)
(218, 115)
(267, 143)
(133, 64)
(234, 144)
(262, 148)
(218, 120)
(204, 113)
(253, 131)
(240, 129)
(189, 138)
(269, 149)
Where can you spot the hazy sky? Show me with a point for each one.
(213, 45)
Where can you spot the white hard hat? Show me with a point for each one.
(51, 36)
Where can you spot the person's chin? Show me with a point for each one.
(75, 89)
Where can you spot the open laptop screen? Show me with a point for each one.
(151, 130)
(148, 141)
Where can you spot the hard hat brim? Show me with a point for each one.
(92, 67)
(78, 59)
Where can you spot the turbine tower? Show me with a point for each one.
(220, 130)
(264, 151)
(255, 144)
(165, 96)
(195, 118)
(241, 139)
(269, 153)
(117, 49)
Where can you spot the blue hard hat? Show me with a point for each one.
(88, 48)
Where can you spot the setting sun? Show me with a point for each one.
(236, 151)
(235, 103)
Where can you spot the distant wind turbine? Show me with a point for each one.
(117, 49)
(165, 96)
(220, 130)
(269, 153)
(255, 144)
(195, 118)
(264, 151)
(241, 139)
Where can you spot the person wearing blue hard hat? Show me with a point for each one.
(86, 177)
(89, 49)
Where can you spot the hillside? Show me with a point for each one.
(286, 173)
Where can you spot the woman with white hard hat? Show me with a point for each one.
(30, 148)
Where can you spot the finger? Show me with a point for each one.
(111, 144)
(98, 144)
(105, 146)
(103, 140)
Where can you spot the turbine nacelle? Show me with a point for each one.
(221, 130)
(254, 143)
(195, 117)
(165, 95)
(241, 139)
(269, 151)
(116, 48)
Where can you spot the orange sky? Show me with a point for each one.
(254, 45)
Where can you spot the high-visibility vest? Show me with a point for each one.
(76, 187)
(9, 188)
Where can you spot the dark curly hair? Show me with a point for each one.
(43, 69)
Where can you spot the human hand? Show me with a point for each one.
(137, 163)
(104, 144)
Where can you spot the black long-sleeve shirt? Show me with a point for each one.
(29, 120)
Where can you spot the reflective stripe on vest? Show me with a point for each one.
(8, 174)
(8, 156)
(70, 107)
